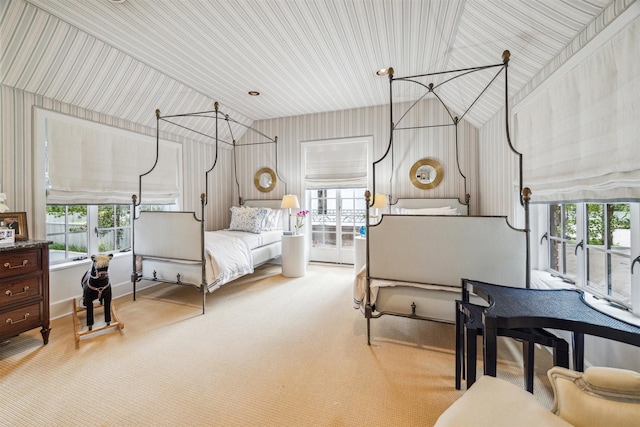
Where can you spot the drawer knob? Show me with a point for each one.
(24, 291)
(9, 266)
(12, 322)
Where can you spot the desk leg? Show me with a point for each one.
(578, 351)
(490, 347)
(561, 353)
(527, 354)
(460, 350)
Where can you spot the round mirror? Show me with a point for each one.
(265, 180)
(426, 174)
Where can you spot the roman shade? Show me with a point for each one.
(90, 163)
(336, 164)
(581, 137)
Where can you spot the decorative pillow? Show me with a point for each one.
(272, 220)
(247, 219)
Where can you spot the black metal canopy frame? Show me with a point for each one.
(432, 89)
(217, 115)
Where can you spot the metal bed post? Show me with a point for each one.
(526, 198)
(203, 202)
(367, 308)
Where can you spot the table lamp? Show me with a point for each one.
(290, 201)
(379, 202)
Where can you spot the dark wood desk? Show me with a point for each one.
(563, 309)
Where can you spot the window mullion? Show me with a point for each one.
(92, 223)
(581, 236)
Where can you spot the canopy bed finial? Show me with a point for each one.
(506, 55)
(157, 112)
(216, 105)
(385, 72)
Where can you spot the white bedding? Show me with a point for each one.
(230, 253)
(253, 240)
(360, 288)
(229, 256)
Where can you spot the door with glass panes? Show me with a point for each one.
(335, 217)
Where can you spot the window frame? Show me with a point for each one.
(582, 247)
(93, 232)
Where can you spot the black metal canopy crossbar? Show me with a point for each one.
(431, 89)
(218, 116)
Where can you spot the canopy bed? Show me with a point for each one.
(417, 254)
(175, 247)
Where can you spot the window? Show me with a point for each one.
(562, 240)
(86, 174)
(78, 231)
(67, 229)
(608, 250)
(590, 244)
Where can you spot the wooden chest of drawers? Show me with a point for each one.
(24, 288)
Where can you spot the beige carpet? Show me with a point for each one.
(270, 351)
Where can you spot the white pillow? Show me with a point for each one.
(272, 220)
(247, 219)
(430, 211)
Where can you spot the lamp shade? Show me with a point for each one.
(379, 201)
(290, 201)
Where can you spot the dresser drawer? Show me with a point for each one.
(17, 290)
(20, 319)
(16, 263)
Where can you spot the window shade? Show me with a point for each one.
(336, 164)
(90, 163)
(580, 137)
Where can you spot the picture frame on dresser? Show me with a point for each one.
(16, 221)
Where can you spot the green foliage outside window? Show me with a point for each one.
(618, 215)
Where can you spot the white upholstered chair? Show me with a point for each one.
(600, 396)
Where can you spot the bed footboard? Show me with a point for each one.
(438, 251)
(167, 237)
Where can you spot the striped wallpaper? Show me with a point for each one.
(409, 146)
(63, 68)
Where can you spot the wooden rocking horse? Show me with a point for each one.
(97, 286)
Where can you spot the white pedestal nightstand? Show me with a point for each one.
(293, 256)
(360, 253)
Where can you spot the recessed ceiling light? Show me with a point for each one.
(254, 93)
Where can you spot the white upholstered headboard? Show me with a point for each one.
(441, 250)
(173, 235)
(428, 203)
